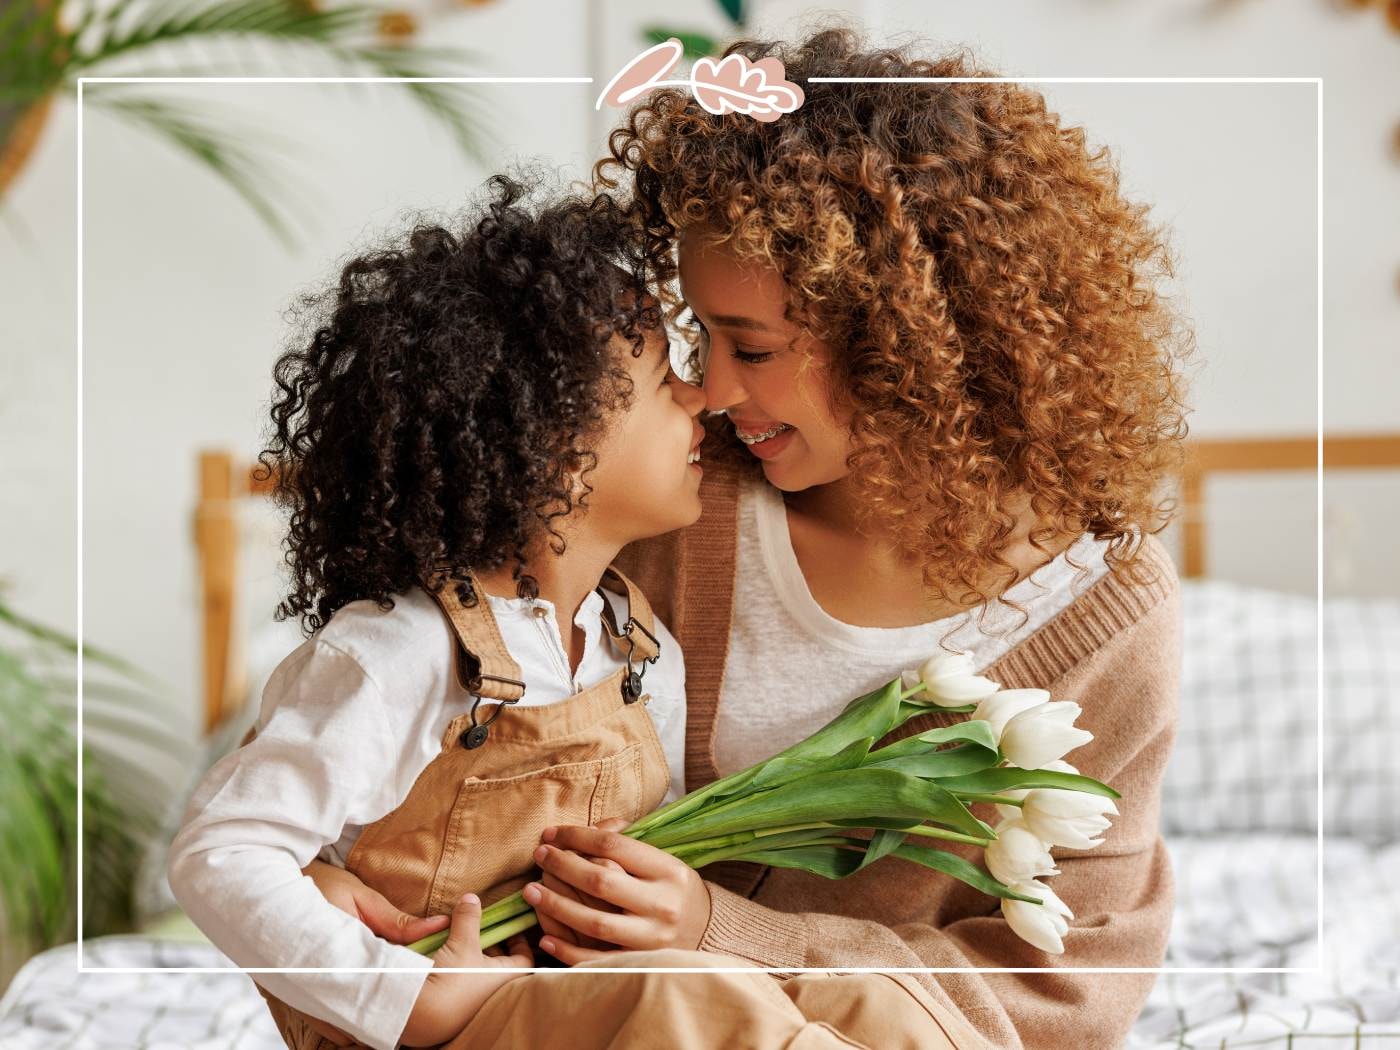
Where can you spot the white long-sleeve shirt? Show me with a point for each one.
(347, 723)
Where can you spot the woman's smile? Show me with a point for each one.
(765, 440)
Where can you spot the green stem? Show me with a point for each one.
(1001, 800)
(686, 805)
(714, 842)
(737, 802)
(791, 827)
(737, 852)
(683, 806)
(929, 832)
(499, 932)
(493, 933)
(736, 838)
(493, 917)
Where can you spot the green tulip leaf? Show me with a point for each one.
(830, 862)
(780, 771)
(952, 762)
(884, 842)
(867, 795)
(991, 781)
(979, 733)
(960, 869)
(910, 709)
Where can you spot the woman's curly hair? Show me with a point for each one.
(987, 291)
(442, 405)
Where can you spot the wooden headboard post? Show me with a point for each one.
(216, 539)
(1249, 455)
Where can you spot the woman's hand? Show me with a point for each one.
(643, 898)
(371, 907)
(558, 931)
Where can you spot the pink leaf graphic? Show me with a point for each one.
(641, 74)
(735, 85)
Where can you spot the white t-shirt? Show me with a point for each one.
(792, 667)
(347, 723)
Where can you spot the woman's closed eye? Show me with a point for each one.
(748, 357)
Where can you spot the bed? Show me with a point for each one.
(1245, 858)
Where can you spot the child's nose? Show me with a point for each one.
(690, 396)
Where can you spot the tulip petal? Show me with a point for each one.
(1017, 854)
(1034, 926)
(1042, 734)
(999, 708)
(954, 692)
(1041, 925)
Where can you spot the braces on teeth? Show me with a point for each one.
(756, 438)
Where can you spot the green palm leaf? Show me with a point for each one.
(223, 153)
(177, 38)
(109, 38)
(122, 795)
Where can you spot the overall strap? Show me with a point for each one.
(484, 665)
(637, 637)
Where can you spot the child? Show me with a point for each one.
(476, 425)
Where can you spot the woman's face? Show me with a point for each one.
(776, 395)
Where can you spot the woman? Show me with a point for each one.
(946, 395)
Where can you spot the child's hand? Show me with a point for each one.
(448, 1001)
(662, 902)
(371, 907)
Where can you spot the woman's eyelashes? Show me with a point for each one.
(748, 357)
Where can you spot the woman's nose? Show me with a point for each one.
(721, 384)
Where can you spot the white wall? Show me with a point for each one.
(185, 290)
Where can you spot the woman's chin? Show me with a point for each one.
(783, 476)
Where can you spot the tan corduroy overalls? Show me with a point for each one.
(472, 821)
(473, 818)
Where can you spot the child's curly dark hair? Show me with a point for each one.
(991, 296)
(445, 399)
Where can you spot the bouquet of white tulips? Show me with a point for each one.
(804, 807)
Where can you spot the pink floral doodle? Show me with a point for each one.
(731, 85)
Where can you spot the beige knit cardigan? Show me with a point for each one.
(1116, 651)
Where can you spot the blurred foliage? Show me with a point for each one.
(46, 46)
(129, 756)
(698, 45)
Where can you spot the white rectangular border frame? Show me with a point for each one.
(1322, 955)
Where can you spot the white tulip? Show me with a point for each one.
(1000, 708)
(1041, 925)
(1059, 816)
(1041, 734)
(950, 680)
(1017, 854)
(1014, 812)
(1067, 818)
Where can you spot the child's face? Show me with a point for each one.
(642, 484)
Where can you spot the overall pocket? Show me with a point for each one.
(495, 823)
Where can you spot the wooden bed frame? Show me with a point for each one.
(225, 479)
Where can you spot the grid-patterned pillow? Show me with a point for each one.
(1246, 751)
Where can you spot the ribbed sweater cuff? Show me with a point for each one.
(747, 930)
